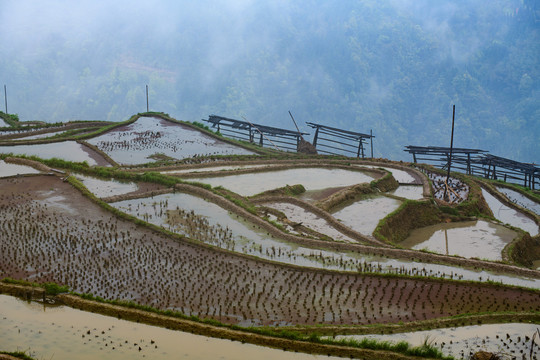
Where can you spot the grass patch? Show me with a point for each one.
(18, 355)
(10, 119)
(50, 287)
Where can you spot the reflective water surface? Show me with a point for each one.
(136, 143)
(64, 333)
(104, 188)
(311, 178)
(364, 215)
(508, 215)
(66, 150)
(479, 239)
(520, 200)
(462, 342)
(7, 169)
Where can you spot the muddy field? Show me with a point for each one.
(51, 232)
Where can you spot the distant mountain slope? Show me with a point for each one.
(395, 66)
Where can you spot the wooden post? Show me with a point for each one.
(5, 97)
(147, 107)
(315, 137)
(360, 149)
(297, 129)
(371, 134)
(451, 148)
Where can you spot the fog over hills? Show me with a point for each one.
(395, 66)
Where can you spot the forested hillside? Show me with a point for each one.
(395, 67)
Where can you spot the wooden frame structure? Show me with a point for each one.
(283, 139)
(478, 162)
(351, 142)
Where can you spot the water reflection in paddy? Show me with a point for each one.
(205, 221)
(401, 176)
(413, 192)
(520, 200)
(104, 188)
(364, 215)
(135, 143)
(297, 214)
(213, 168)
(311, 178)
(508, 215)
(42, 136)
(479, 239)
(66, 150)
(512, 338)
(7, 169)
(65, 333)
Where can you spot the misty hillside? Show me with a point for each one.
(395, 67)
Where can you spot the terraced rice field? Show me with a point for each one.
(222, 252)
(138, 142)
(67, 150)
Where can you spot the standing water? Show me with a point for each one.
(61, 332)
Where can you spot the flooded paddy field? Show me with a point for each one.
(7, 169)
(298, 214)
(200, 219)
(138, 142)
(66, 150)
(512, 340)
(413, 192)
(510, 216)
(104, 188)
(213, 168)
(520, 199)
(207, 222)
(401, 176)
(42, 136)
(310, 178)
(61, 332)
(364, 215)
(459, 192)
(210, 262)
(480, 239)
(51, 232)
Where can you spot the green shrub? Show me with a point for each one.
(55, 289)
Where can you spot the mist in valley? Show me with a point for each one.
(394, 67)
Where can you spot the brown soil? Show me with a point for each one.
(72, 241)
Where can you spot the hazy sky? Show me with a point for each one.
(67, 59)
